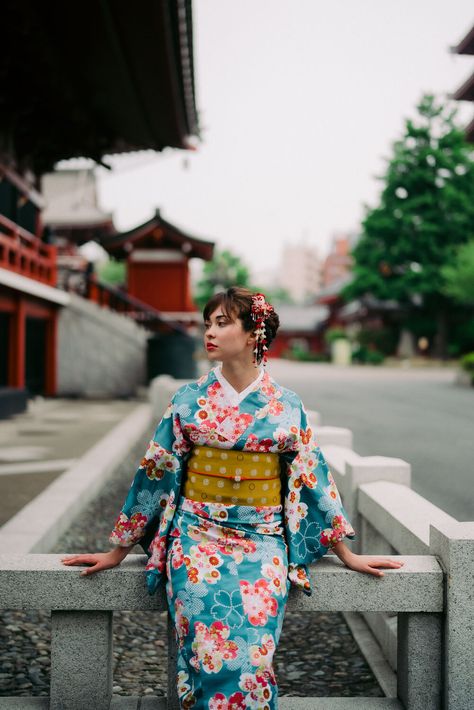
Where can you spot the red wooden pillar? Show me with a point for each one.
(17, 346)
(51, 354)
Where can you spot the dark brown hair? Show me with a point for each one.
(236, 302)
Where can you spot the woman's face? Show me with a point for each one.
(225, 339)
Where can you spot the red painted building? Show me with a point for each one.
(77, 81)
(157, 255)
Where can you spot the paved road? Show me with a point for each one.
(418, 415)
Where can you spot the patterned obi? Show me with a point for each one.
(233, 477)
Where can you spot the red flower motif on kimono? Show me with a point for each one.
(257, 601)
(157, 461)
(128, 531)
(276, 572)
(275, 407)
(309, 479)
(235, 702)
(257, 688)
(254, 444)
(340, 528)
(176, 554)
(180, 445)
(263, 655)
(158, 554)
(211, 646)
(182, 622)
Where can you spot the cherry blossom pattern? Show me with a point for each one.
(275, 571)
(228, 608)
(181, 622)
(185, 694)
(258, 601)
(211, 647)
(261, 655)
(219, 701)
(339, 529)
(127, 531)
(202, 566)
(298, 576)
(157, 461)
(257, 689)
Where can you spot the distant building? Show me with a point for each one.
(72, 217)
(300, 271)
(466, 91)
(157, 255)
(301, 328)
(338, 263)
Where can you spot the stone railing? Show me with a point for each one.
(390, 518)
(422, 614)
(82, 618)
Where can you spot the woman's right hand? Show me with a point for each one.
(97, 561)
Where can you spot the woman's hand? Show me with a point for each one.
(98, 561)
(365, 563)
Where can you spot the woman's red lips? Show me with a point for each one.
(210, 346)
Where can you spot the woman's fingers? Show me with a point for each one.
(374, 564)
(79, 560)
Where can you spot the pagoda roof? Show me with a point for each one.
(157, 233)
(466, 45)
(95, 78)
(470, 131)
(466, 91)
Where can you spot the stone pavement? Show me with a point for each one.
(40, 444)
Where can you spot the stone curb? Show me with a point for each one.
(38, 526)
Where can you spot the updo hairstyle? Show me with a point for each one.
(236, 302)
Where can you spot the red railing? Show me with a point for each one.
(118, 300)
(25, 254)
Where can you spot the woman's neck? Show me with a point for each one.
(240, 375)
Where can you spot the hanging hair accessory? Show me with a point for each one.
(260, 311)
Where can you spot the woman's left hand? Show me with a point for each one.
(370, 565)
(364, 563)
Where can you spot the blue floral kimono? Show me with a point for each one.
(227, 566)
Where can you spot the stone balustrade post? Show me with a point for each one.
(419, 660)
(81, 660)
(454, 547)
(365, 470)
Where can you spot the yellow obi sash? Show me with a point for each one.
(233, 477)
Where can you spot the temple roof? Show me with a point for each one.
(95, 78)
(466, 45)
(466, 91)
(157, 233)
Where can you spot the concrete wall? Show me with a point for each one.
(100, 353)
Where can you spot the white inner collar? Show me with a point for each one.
(232, 394)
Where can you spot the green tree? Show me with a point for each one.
(112, 272)
(426, 212)
(459, 275)
(226, 269)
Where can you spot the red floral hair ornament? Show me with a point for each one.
(260, 311)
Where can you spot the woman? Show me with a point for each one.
(232, 499)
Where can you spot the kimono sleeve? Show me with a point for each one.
(159, 475)
(314, 514)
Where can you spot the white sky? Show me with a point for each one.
(300, 101)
